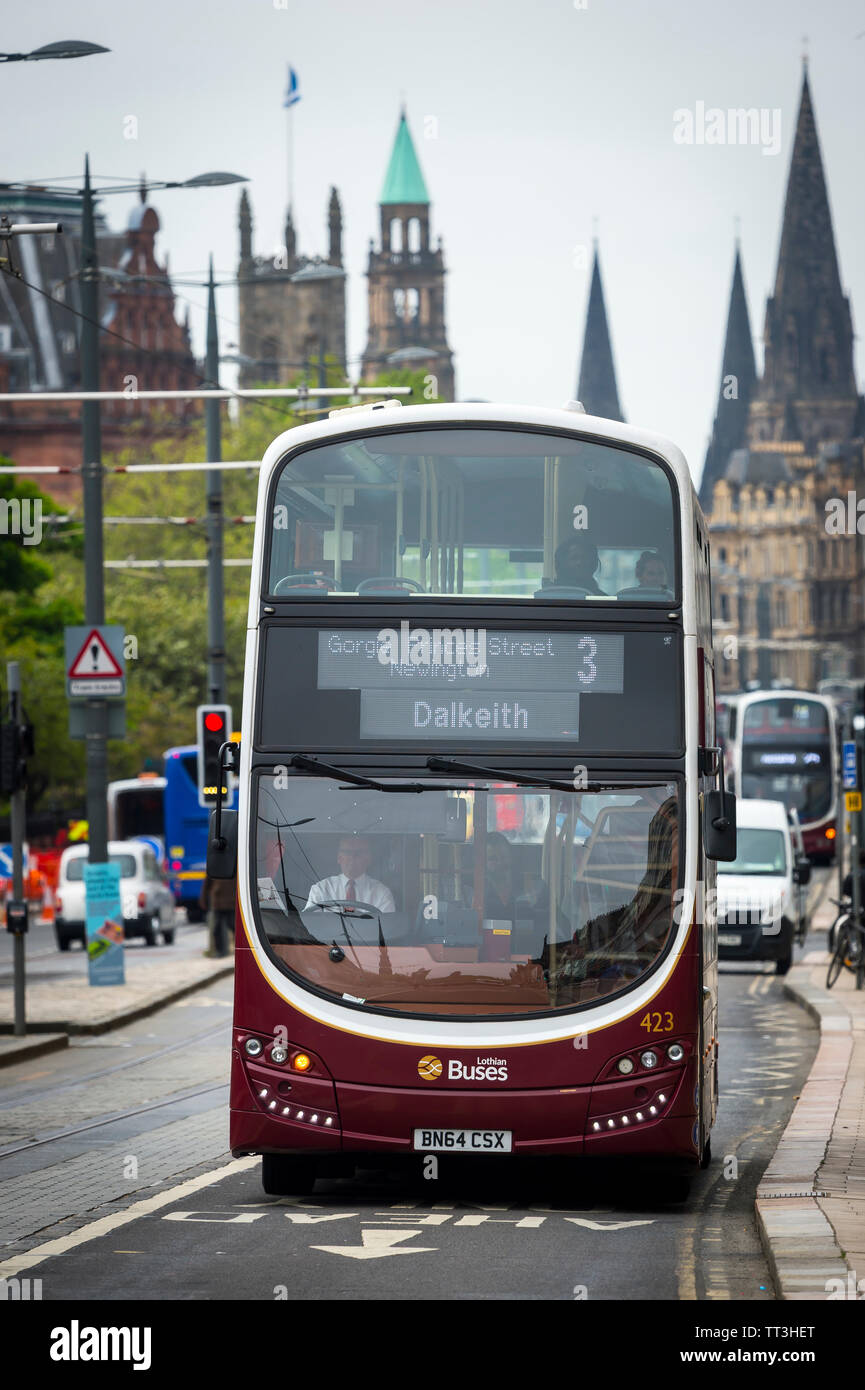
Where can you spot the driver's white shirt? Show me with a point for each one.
(366, 890)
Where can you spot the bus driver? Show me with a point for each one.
(353, 884)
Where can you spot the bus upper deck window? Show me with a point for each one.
(484, 512)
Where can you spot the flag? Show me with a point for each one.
(292, 94)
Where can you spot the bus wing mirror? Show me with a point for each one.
(222, 846)
(719, 825)
(802, 872)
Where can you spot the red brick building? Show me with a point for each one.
(142, 346)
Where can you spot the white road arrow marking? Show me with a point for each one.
(377, 1245)
(306, 1218)
(605, 1225)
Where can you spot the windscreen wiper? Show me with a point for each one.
(521, 779)
(319, 769)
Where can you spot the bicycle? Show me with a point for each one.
(849, 951)
(845, 907)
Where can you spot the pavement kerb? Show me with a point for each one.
(123, 1016)
(14, 1049)
(799, 1240)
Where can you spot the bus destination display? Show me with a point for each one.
(338, 688)
(470, 682)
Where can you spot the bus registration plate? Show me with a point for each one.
(729, 939)
(463, 1140)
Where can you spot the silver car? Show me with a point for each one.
(146, 900)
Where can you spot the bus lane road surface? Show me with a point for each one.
(115, 1184)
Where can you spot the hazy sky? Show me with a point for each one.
(547, 115)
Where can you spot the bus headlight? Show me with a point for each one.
(649, 1059)
(625, 1066)
(675, 1052)
(278, 1054)
(252, 1047)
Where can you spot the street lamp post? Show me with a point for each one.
(215, 580)
(66, 48)
(96, 742)
(318, 272)
(96, 726)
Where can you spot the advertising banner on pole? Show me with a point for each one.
(105, 963)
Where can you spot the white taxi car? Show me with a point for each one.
(146, 900)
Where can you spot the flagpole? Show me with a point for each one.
(290, 156)
(291, 100)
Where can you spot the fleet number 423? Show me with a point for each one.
(658, 1023)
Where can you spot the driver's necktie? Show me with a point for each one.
(350, 894)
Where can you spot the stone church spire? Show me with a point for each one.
(290, 240)
(245, 226)
(808, 331)
(597, 385)
(738, 376)
(334, 224)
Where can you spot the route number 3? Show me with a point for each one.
(658, 1023)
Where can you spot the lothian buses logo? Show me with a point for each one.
(484, 1069)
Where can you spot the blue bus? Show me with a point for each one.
(185, 828)
(166, 811)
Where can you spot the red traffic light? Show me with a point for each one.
(214, 722)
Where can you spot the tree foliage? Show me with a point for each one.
(164, 609)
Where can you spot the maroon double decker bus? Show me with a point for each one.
(478, 797)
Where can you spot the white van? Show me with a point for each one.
(759, 909)
(146, 900)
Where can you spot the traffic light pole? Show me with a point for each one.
(96, 741)
(17, 817)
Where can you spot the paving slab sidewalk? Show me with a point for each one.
(811, 1199)
(70, 1005)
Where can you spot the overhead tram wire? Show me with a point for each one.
(257, 398)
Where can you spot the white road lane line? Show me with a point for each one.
(63, 1244)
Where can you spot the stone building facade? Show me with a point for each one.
(787, 446)
(292, 307)
(787, 594)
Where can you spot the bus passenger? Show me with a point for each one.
(499, 884)
(352, 884)
(577, 564)
(506, 900)
(651, 572)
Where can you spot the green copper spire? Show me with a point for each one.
(403, 181)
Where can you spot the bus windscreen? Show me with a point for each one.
(139, 812)
(615, 692)
(487, 901)
(787, 754)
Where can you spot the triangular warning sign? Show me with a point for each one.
(94, 659)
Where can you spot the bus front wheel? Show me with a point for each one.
(285, 1175)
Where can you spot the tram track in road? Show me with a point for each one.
(175, 1098)
(38, 1092)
